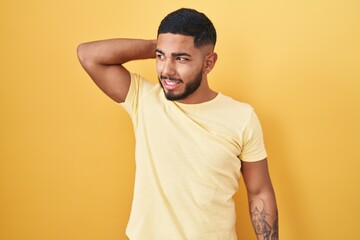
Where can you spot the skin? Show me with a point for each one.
(103, 61)
(261, 198)
(177, 58)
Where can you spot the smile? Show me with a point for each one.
(170, 84)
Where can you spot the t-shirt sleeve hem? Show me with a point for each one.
(130, 93)
(255, 159)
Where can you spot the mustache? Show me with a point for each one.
(170, 78)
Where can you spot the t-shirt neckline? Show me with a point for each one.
(199, 105)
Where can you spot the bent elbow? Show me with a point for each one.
(81, 53)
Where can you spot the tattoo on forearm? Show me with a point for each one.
(259, 220)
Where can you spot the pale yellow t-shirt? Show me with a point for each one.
(187, 163)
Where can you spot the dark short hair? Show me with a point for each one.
(189, 22)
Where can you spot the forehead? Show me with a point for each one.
(170, 43)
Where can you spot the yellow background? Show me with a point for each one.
(66, 150)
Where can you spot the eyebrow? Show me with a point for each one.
(179, 54)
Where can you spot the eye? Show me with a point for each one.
(160, 56)
(182, 59)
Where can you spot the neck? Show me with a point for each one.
(198, 97)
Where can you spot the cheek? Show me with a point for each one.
(191, 72)
(190, 69)
(158, 68)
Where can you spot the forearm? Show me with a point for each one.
(116, 51)
(264, 215)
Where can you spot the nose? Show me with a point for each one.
(168, 68)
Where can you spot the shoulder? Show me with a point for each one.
(234, 106)
(140, 85)
(139, 80)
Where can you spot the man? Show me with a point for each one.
(192, 143)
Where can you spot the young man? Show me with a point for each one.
(192, 143)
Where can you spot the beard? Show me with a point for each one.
(190, 88)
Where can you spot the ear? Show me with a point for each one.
(210, 61)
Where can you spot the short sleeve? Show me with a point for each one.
(138, 86)
(253, 148)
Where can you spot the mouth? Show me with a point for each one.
(170, 83)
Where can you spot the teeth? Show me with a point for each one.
(171, 83)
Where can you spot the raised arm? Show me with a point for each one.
(261, 197)
(103, 61)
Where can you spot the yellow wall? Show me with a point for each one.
(66, 169)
